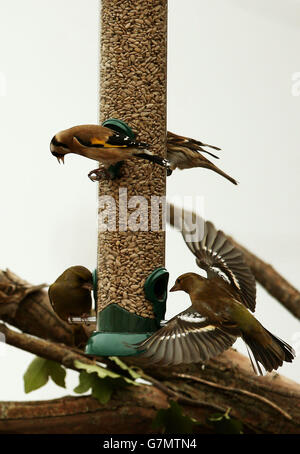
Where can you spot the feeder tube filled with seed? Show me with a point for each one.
(132, 280)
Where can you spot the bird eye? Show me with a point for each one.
(56, 143)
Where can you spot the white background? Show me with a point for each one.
(229, 83)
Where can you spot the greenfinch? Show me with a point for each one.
(70, 295)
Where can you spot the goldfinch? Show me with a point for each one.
(70, 294)
(101, 144)
(220, 311)
(184, 153)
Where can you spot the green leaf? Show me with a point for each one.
(172, 421)
(100, 380)
(224, 424)
(57, 373)
(36, 375)
(85, 383)
(102, 388)
(124, 366)
(39, 371)
(102, 372)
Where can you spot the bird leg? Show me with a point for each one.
(99, 174)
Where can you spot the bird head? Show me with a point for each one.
(74, 140)
(60, 145)
(186, 282)
(79, 276)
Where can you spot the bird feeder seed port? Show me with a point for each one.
(118, 329)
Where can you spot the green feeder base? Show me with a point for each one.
(114, 344)
(118, 329)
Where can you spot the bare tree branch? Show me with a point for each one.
(44, 348)
(272, 281)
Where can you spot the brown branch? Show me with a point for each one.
(235, 390)
(230, 370)
(130, 411)
(178, 397)
(44, 348)
(272, 281)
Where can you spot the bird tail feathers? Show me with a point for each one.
(216, 169)
(270, 356)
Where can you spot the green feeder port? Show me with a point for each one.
(118, 329)
(121, 127)
(156, 291)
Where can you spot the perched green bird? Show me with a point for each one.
(70, 294)
(219, 312)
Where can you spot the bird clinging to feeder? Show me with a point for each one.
(219, 311)
(184, 153)
(101, 144)
(70, 295)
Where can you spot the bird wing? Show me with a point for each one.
(184, 153)
(216, 254)
(185, 158)
(186, 338)
(95, 136)
(175, 141)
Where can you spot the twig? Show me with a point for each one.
(179, 398)
(272, 281)
(235, 390)
(44, 348)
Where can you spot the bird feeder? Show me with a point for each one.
(131, 278)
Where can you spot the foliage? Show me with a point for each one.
(224, 424)
(173, 421)
(40, 370)
(101, 380)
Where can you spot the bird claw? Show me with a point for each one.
(99, 174)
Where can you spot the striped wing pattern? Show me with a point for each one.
(214, 252)
(186, 338)
(177, 143)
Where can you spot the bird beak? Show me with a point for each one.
(88, 285)
(175, 288)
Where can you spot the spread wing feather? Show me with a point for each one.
(186, 338)
(215, 253)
